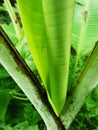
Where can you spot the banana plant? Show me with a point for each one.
(51, 28)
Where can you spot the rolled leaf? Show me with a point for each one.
(48, 28)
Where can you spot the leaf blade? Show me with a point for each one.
(48, 29)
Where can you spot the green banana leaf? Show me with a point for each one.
(91, 29)
(85, 32)
(48, 28)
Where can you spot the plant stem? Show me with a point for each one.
(13, 18)
(22, 75)
(83, 86)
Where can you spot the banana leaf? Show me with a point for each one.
(48, 28)
(91, 28)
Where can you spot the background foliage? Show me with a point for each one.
(16, 112)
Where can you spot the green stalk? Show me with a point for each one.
(13, 18)
(83, 86)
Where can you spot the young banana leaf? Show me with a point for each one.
(48, 28)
